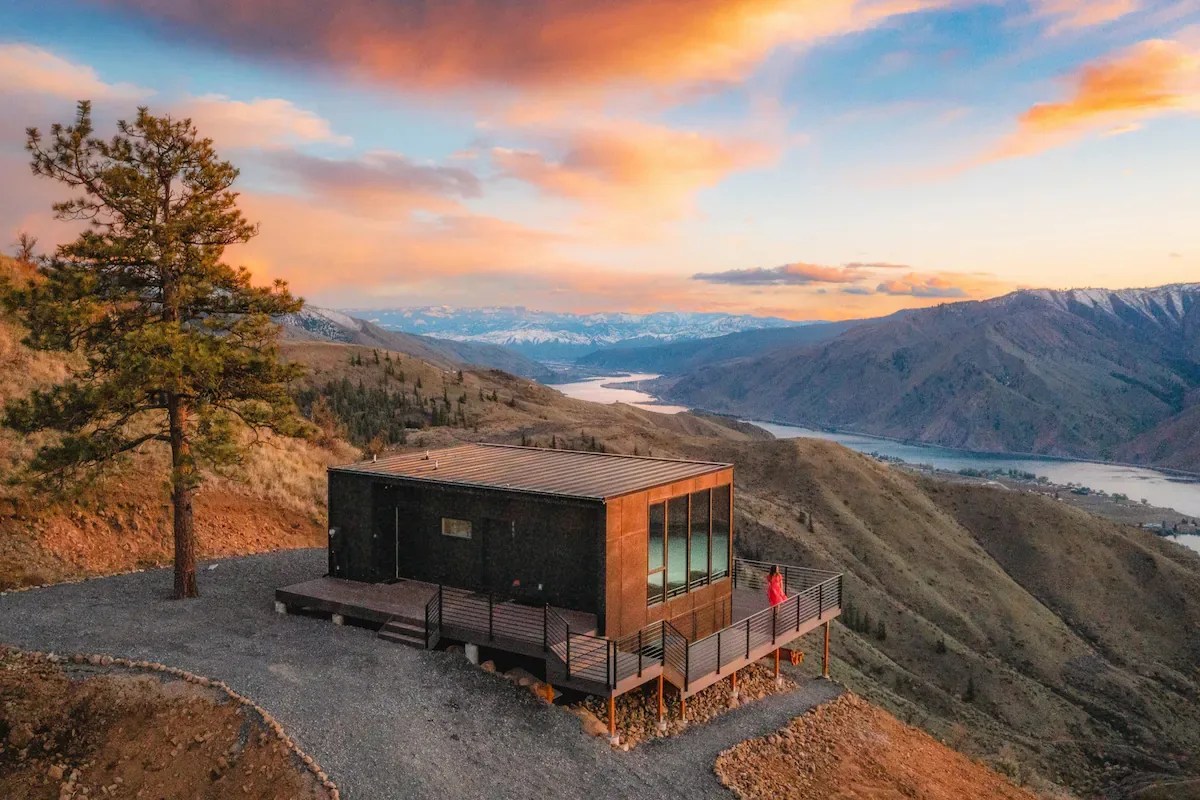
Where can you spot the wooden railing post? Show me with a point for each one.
(821, 600)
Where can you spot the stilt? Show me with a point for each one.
(825, 660)
(662, 708)
(733, 685)
(612, 720)
(776, 663)
(683, 708)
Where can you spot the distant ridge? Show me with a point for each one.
(1093, 373)
(316, 323)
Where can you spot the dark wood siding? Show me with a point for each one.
(387, 529)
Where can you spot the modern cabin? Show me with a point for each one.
(630, 540)
(616, 569)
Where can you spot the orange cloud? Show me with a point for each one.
(263, 122)
(1150, 79)
(29, 70)
(638, 174)
(455, 43)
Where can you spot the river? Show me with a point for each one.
(1157, 488)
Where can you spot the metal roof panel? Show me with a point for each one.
(566, 473)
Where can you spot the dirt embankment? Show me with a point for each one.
(67, 735)
(851, 750)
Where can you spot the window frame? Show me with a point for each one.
(661, 569)
(661, 574)
(470, 528)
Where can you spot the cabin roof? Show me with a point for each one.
(564, 473)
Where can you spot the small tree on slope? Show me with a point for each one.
(176, 347)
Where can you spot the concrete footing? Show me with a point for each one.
(472, 651)
(338, 619)
(280, 608)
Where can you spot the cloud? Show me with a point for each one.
(632, 164)
(914, 285)
(1150, 79)
(875, 265)
(268, 122)
(797, 274)
(29, 70)
(379, 182)
(467, 43)
(1064, 15)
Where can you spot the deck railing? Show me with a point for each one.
(812, 594)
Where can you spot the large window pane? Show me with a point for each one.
(698, 569)
(721, 529)
(677, 542)
(654, 554)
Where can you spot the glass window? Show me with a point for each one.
(698, 554)
(677, 545)
(721, 530)
(458, 528)
(654, 555)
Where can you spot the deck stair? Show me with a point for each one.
(403, 631)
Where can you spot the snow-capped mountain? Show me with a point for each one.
(558, 336)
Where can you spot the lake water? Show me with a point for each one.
(594, 390)
(1157, 488)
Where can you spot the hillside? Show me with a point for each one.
(323, 324)
(678, 357)
(1079, 373)
(1089, 681)
(849, 749)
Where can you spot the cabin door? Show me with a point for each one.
(499, 543)
(397, 523)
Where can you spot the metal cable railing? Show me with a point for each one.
(811, 595)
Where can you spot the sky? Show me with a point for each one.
(809, 159)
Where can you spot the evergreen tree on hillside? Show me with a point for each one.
(177, 347)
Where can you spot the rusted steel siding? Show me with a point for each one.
(696, 613)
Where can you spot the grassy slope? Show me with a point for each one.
(1078, 633)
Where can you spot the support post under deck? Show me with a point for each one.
(825, 660)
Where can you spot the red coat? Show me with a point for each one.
(775, 593)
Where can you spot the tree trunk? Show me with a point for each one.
(182, 491)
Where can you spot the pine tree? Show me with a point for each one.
(25, 248)
(177, 347)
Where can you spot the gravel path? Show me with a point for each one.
(385, 721)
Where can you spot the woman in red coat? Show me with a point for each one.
(775, 592)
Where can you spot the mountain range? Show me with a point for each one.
(560, 336)
(313, 323)
(1089, 373)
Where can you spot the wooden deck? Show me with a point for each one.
(405, 600)
(576, 657)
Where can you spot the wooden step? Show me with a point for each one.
(403, 632)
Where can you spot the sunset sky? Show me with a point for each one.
(800, 158)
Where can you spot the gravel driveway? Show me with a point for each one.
(385, 721)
